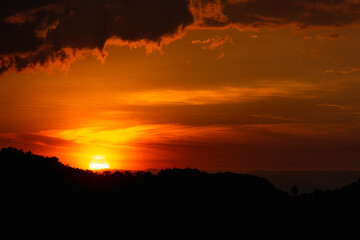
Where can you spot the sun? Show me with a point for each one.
(98, 163)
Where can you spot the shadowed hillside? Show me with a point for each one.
(25, 175)
(34, 182)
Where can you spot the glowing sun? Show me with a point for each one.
(98, 162)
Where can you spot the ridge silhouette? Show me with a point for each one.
(46, 175)
(37, 184)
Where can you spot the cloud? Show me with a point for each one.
(215, 95)
(342, 107)
(315, 54)
(251, 145)
(350, 70)
(345, 70)
(328, 36)
(199, 96)
(325, 36)
(36, 34)
(213, 43)
(94, 135)
(40, 33)
(221, 55)
(35, 141)
(260, 13)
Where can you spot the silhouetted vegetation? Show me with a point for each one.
(29, 181)
(294, 191)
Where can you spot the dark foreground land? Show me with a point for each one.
(32, 184)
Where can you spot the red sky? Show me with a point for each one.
(209, 84)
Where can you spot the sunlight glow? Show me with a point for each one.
(98, 163)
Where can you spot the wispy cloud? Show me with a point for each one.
(329, 36)
(213, 43)
(215, 95)
(350, 70)
(345, 70)
(342, 107)
(221, 55)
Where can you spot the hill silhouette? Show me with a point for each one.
(44, 185)
(25, 173)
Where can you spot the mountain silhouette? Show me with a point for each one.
(43, 185)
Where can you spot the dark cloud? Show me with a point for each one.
(35, 33)
(35, 142)
(331, 36)
(18, 38)
(258, 13)
(10, 8)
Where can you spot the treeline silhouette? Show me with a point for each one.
(32, 182)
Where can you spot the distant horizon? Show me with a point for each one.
(306, 180)
(201, 169)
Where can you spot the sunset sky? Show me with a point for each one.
(209, 84)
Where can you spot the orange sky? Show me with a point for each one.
(269, 95)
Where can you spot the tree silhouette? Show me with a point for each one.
(294, 191)
(30, 181)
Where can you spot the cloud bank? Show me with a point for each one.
(48, 32)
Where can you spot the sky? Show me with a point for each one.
(230, 85)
